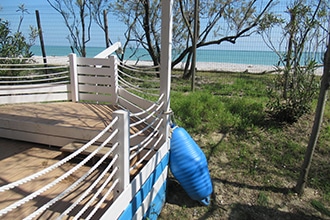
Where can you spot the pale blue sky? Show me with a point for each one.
(55, 32)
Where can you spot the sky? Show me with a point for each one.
(55, 32)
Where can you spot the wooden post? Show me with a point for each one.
(166, 62)
(106, 28)
(122, 151)
(42, 45)
(74, 77)
(114, 79)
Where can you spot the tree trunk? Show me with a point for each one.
(301, 183)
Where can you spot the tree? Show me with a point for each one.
(299, 188)
(15, 44)
(226, 20)
(295, 87)
(77, 15)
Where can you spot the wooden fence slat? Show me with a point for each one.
(92, 61)
(142, 103)
(95, 89)
(94, 80)
(89, 70)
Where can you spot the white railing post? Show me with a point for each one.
(74, 77)
(166, 61)
(114, 80)
(122, 151)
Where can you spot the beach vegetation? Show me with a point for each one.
(14, 44)
(303, 35)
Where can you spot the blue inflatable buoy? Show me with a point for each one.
(188, 165)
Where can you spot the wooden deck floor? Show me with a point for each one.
(56, 123)
(19, 159)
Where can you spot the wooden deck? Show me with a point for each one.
(31, 137)
(54, 124)
(19, 159)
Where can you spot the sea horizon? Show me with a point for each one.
(267, 58)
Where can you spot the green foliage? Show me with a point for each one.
(200, 112)
(292, 93)
(15, 44)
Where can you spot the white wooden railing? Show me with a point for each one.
(93, 80)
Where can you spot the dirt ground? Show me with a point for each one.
(240, 196)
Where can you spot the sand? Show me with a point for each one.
(202, 66)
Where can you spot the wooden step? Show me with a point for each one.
(73, 146)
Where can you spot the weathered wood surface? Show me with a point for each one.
(19, 159)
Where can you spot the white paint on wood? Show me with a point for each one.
(121, 203)
(74, 77)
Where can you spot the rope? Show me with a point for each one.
(148, 109)
(86, 192)
(59, 163)
(147, 154)
(82, 178)
(50, 185)
(138, 146)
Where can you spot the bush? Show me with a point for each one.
(287, 103)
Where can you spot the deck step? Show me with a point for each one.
(73, 146)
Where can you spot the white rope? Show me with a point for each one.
(75, 184)
(90, 188)
(147, 127)
(34, 76)
(36, 68)
(136, 78)
(139, 145)
(100, 189)
(148, 109)
(147, 154)
(97, 206)
(139, 69)
(48, 186)
(149, 116)
(36, 80)
(130, 85)
(59, 163)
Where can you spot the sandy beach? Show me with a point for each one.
(201, 66)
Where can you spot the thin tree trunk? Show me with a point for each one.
(301, 183)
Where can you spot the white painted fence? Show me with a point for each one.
(95, 80)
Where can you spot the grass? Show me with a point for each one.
(255, 158)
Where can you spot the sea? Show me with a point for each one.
(268, 58)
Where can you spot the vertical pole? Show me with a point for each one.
(166, 61)
(122, 151)
(42, 45)
(195, 40)
(106, 28)
(74, 77)
(114, 79)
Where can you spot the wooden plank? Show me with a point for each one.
(95, 89)
(94, 80)
(26, 86)
(36, 138)
(73, 146)
(142, 103)
(83, 61)
(99, 98)
(93, 70)
(40, 89)
(34, 98)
